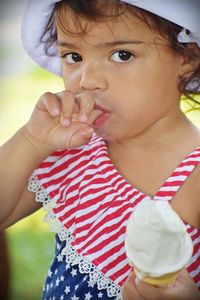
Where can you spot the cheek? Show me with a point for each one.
(71, 80)
(136, 110)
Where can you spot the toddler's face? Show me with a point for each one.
(129, 69)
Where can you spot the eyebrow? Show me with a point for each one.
(101, 45)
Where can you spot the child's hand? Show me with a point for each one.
(129, 290)
(183, 289)
(61, 120)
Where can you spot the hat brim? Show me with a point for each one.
(37, 14)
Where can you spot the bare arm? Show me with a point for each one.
(25, 207)
(18, 158)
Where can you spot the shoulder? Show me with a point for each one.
(196, 188)
(195, 178)
(187, 200)
(194, 192)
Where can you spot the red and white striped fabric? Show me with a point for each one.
(94, 202)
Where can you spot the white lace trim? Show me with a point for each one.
(72, 256)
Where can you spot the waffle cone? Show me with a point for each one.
(165, 280)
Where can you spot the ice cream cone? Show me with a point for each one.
(157, 243)
(164, 280)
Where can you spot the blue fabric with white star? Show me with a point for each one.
(66, 282)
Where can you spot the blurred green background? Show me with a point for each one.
(31, 245)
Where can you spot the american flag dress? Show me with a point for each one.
(88, 204)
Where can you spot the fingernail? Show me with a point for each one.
(55, 111)
(66, 122)
(83, 118)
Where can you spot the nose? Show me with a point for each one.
(92, 77)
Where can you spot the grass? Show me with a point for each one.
(29, 261)
(31, 248)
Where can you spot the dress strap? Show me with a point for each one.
(179, 176)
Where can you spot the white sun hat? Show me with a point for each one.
(185, 13)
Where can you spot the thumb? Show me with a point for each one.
(80, 137)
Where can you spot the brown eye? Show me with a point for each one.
(122, 56)
(72, 57)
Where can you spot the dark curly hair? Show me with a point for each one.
(95, 10)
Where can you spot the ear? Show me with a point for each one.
(190, 60)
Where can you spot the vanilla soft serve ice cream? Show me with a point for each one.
(157, 242)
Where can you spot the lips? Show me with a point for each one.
(99, 107)
(103, 116)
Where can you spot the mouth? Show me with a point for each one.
(102, 116)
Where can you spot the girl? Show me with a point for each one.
(110, 140)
